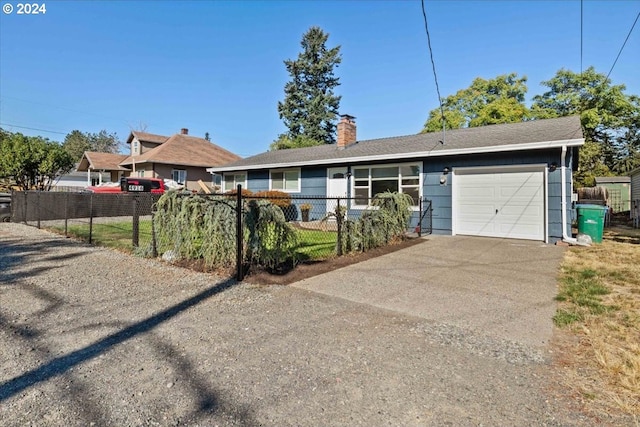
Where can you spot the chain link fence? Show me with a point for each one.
(121, 220)
(222, 232)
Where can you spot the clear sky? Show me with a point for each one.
(217, 66)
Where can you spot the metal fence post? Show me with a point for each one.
(154, 244)
(39, 207)
(136, 222)
(239, 239)
(91, 218)
(24, 218)
(66, 214)
(420, 218)
(339, 224)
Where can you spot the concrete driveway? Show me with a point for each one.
(502, 288)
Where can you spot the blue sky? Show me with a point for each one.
(217, 67)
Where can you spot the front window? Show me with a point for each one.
(286, 180)
(140, 173)
(231, 180)
(216, 181)
(371, 180)
(179, 176)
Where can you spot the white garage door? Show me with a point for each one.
(499, 204)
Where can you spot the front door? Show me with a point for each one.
(336, 186)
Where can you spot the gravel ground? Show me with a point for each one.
(90, 336)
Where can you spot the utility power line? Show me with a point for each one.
(433, 65)
(624, 44)
(30, 128)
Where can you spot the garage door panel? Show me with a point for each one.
(520, 193)
(505, 204)
(478, 192)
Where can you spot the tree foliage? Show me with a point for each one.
(310, 107)
(285, 142)
(32, 162)
(77, 142)
(485, 102)
(610, 119)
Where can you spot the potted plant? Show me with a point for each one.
(305, 208)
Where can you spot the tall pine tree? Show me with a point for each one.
(310, 107)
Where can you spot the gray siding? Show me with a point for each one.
(635, 190)
(314, 181)
(314, 184)
(635, 185)
(441, 194)
(258, 181)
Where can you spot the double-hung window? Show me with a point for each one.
(216, 182)
(371, 180)
(231, 180)
(179, 176)
(287, 180)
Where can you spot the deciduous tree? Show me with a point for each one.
(77, 142)
(610, 119)
(485, 102)
(32, 162)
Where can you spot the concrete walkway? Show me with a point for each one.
(502, 288)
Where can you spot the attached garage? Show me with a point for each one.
(507, 202)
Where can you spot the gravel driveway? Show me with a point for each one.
(89, 336)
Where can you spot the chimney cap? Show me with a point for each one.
(184, 131)
(347, 117)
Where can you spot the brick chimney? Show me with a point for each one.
(184, 131)
(346, 131)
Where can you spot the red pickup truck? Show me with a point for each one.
(132, 185)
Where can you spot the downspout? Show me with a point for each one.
(565, 236)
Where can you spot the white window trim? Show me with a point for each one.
(380, 165)
(235, 183)
(283, 171)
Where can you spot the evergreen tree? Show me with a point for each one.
(310, 107)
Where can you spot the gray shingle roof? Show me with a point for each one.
(535, 134)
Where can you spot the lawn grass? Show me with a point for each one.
(599, 303)
(115, 235)
(312, 244)
(316, 244)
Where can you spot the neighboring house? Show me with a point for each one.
(634, 176)
(181, 157)
(75, 181)
(618, 190)
(106, 165)
(511, 180)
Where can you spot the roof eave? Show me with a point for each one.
(398, 156)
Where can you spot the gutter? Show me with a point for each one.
(565, 236)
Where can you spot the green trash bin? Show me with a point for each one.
(591, 221)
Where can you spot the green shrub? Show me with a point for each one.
(386, 222)
(197, 228)
(271, 240)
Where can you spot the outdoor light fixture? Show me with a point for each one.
(446, 170)
(553, 166)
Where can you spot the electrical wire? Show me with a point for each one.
(433, 65)
(624, 44)
(30, 128)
